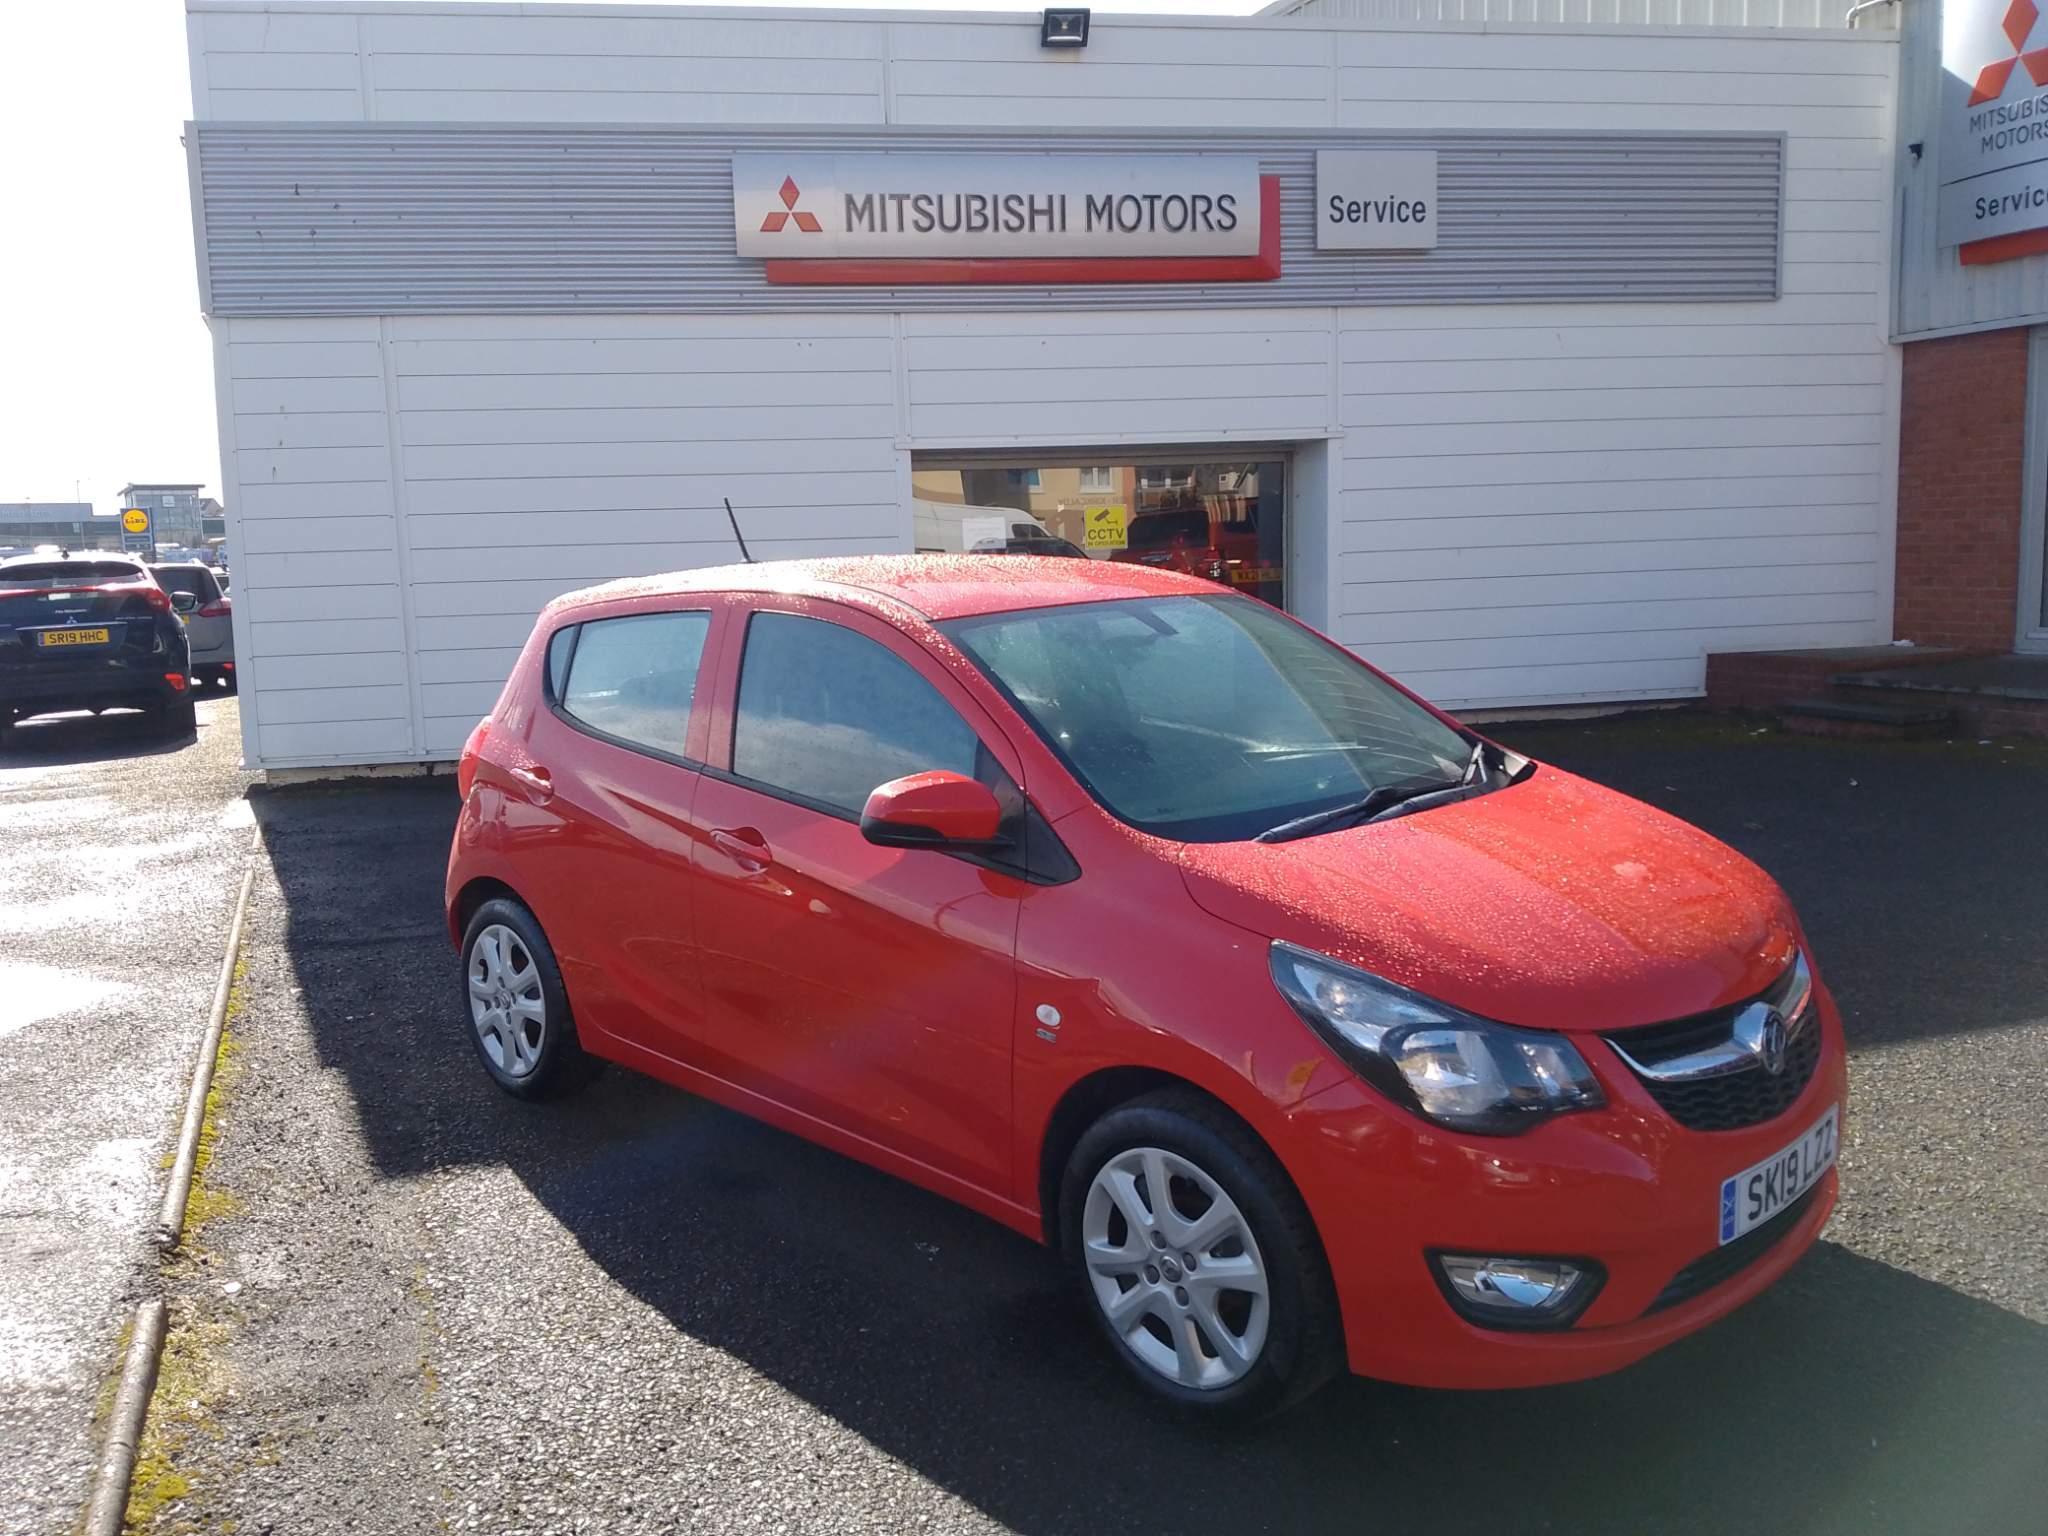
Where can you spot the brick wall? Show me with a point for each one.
(1962, 448)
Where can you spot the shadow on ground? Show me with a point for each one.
(59, 740)
(1852, 1398)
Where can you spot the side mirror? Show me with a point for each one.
(183, 602)
(932, 810)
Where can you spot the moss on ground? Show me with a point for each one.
(192, 1376)
(190, 1380)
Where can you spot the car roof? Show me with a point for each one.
(935, 587)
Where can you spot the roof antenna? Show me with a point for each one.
(741, 537)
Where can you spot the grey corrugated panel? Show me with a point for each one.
(1749, 14)
(355, 219)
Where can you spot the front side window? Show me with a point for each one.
(1208, 719)
(634, 678)
(827, 715)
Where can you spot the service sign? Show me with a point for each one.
(825, 207)
(1375, 199)
(1994, 120)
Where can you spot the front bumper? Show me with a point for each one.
(1624, 1185)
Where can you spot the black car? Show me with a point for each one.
(90, 632)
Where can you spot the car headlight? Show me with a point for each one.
(1446, 1065)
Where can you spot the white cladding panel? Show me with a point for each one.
(1525, 504)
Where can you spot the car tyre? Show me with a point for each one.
(517, 1008)
(177, 717)
(1233, 1211)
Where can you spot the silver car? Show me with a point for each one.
(200, 598)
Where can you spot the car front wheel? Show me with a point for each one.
(518, 1010)
(1197, 1258)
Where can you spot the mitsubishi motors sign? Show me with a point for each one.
(1994, 129)
(906, 218)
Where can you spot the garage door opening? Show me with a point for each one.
(1217, 516)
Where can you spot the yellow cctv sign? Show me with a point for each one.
(135, 520)
(1106, 528)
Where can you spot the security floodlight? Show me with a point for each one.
(1064, 29)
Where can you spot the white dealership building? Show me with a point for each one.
(1534, 359)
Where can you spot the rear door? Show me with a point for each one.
(207, 626)
(598, 814)
(870, 987)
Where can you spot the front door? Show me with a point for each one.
(870, 987)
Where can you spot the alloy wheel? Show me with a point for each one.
(506, 1002)
(1175, 1268)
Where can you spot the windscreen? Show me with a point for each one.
(1208, 719)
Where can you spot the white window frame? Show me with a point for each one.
(1303, 567)
(2031, 619)
(1098, 479)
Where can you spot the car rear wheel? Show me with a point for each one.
(1197, 1258)
(518, 1010)
(179, 717)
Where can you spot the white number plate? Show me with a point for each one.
(1757, 1194)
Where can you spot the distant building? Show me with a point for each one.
(25, 524)
(174, 511)
(213, 519)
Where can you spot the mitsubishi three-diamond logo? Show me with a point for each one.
(808, 222)
(2018, 26)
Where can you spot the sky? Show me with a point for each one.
(106, 367)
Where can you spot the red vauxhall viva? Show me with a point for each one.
(1311, 1028)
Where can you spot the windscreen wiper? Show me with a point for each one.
(1387, 801)
(1376, 802)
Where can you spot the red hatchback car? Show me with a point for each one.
(1310, 1027)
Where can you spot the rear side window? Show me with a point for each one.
(827, 715)
(634, 678)
(560, 645)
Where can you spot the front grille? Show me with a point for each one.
(1675, 1062)
(1731, 1259)
(1738, 1100)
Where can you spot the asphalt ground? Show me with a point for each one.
(437, 1308)
(118, 857)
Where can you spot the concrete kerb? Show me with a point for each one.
(116, 1464)
(171, 1220)
(124, 1430)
